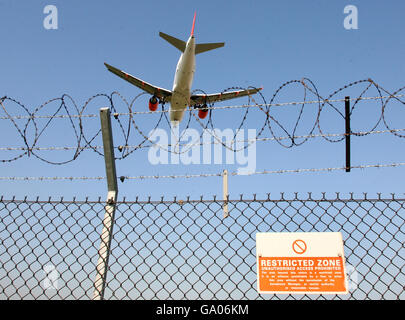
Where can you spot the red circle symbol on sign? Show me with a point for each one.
(299, 246)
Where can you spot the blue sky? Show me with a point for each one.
(266, 44)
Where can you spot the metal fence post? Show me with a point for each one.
(108, 222)
(348, 133)
(225, 192)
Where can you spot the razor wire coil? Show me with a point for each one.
(36, 125)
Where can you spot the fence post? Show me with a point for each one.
(348, 133)
(108, 222)
(225, 192)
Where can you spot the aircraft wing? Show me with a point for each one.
(161, 93)
(197, 99)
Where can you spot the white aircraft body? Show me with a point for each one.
(180, 96)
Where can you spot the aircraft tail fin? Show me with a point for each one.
(179, 44)
(192, 28)
(202, 47)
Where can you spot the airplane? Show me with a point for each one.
(180, 97)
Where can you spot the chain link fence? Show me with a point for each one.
(186, 249)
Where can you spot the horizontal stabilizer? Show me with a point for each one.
(179, 44)
(202, 47)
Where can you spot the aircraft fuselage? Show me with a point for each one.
(183, 80)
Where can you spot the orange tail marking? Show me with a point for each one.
(192, 29)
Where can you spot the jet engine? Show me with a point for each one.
(153, 103)
(202, 112)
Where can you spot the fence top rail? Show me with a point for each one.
(351, 197)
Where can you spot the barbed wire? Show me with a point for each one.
(37, 125)
(119, 148)
(207, 175)
(268, 196)
(282, 104)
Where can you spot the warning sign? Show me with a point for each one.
(299, 246)
(300, 263)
